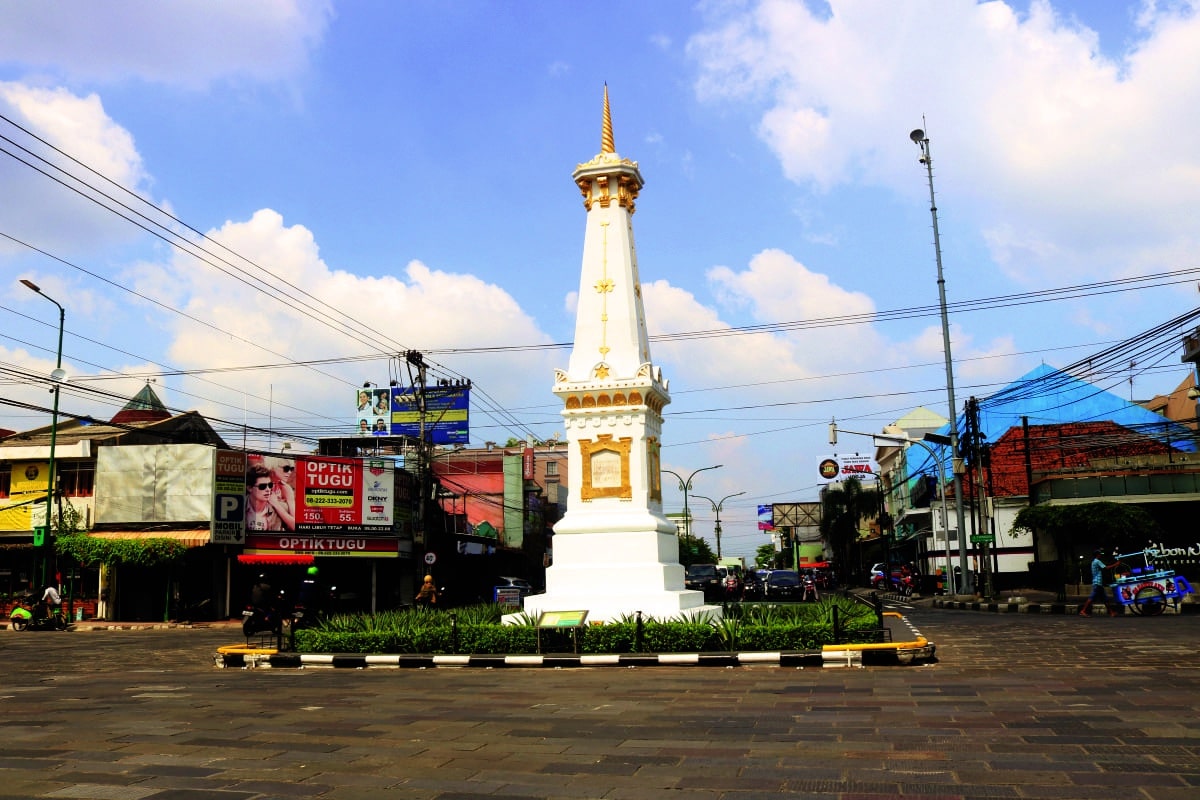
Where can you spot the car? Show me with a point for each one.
(782, 584)
(704, 578)
(509, 582)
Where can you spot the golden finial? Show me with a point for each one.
(606, 137)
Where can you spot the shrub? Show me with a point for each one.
(477, 629)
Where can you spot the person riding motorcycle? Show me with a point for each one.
(49, 603)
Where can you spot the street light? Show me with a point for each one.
(883, 440)
(919, 138)
(716, 507)
(58, 376)
(685, 487)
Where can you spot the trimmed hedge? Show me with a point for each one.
(477, 630)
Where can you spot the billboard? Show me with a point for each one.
(446, 409)
(839, 467)
(372, 408)
(311, 494)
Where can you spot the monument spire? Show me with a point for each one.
(613, 397)
(606, 137)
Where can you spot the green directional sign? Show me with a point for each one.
(39, 536)
(983, 538)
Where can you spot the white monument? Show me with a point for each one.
(614, 552)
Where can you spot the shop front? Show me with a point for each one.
(358, 573)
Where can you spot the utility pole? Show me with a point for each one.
(919, 138)
(416, 361)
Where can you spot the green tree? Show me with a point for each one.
(694, 550)
(844, 508)
(764, 556)
(1076, 530)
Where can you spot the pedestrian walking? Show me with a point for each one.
(1097, 595)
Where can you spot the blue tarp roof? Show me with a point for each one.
(1048, 396)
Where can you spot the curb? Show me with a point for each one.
(1008, 608)
(918, 650)
(840, 657)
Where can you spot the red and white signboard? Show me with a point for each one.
(319, 495)
(343, 494)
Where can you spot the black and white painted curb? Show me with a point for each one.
(850, 656)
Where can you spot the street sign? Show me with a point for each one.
(983, 538)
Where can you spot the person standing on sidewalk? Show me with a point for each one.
(428, 596)
(1097, 595)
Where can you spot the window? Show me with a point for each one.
(551, 468)
(5, 479)
(76, 478)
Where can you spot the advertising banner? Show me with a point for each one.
(324, 495)
(372, 408)
(229, 497)
(445, 417)
(839, 467)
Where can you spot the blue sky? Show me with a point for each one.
(404, 170)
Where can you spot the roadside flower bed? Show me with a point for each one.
(477, 630)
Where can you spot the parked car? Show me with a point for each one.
(525, 586)
(782, 584)
(704, 578)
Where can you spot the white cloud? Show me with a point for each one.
(187, 43)
(1069, 161)
(51, 213)
(422, 308)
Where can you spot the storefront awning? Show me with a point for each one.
(189, 538)
(274, 558)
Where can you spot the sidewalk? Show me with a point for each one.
(1022, 601)
(112, 625)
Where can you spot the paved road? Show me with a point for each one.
(1017, 706)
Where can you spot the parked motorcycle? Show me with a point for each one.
(899, 581)
(23, 617)
(260, 619)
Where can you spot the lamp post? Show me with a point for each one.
(685, 487)
(883, 439)
(57, 376)
(716, 507)
(919, 138)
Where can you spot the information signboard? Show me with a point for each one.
(229, 497)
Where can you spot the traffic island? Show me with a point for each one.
(903, 646)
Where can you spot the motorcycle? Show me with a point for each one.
(901, 582)
(260, 619)
(23, 617)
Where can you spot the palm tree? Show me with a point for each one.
(844, 507)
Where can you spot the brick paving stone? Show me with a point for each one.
(1011, 707)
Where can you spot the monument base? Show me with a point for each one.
(614, 575)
